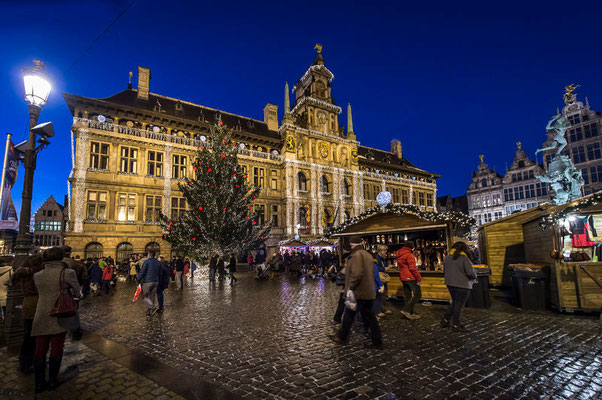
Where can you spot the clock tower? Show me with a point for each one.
(314, 106)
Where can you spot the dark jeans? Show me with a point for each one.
(364, 307)
(459, 297)
(338, 315)
(160, 297)
(232, 277)
(378, 303)
(106, 286)
(28, 347)
(410, 300)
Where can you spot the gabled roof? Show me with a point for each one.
(166, 106)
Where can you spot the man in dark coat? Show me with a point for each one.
(149, 279)
(163, 282)
(359, 279)
(95, 277)
(221, 269)
(232, 269)
(212, 267)
(179, 264)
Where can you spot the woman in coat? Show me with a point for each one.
(95, 277)
(459, 276)
(410, 277)
(24, 279)
(47, 329)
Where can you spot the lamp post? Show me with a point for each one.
(37, 88)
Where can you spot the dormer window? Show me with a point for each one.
(157, 107)
(179, 107)
(574, 119)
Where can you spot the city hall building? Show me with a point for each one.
(130, 151)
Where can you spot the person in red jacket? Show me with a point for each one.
(410, 276)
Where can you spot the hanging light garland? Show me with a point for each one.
(454, 217)
(575, 208)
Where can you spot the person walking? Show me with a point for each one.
(275, 264)
(221, 269)
(359, 280)
(149, 279)
(133, 272)
(381, 262)
(232, 269)
(164, 279)
(179, 273)
(107, 275)
(95, 277)
(338, 270)
(212, 267)
(410, 277)
(459, 277)
(73, 323)
(24, 278)
(47, 329)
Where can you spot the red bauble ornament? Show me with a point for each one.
(223, 156)
(200, 208)
(212, 187)
(234, 174)
(221, 123)
(170, 223)
(209, 170)
(244, 177)
(237, 186)
(250, 207)
(223, 142)
(194, 168)
(224, 208)
(193, 238)
(254, 222)
(201, 148)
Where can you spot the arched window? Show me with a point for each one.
(152, 246)
(324, 184)
(124, 251)
(302, 179)
(93, 250)
(345, 187)
(484, 183)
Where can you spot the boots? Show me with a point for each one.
(54, 366)
(26, 363)
(39, 367)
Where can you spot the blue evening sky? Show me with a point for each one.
(450, 80)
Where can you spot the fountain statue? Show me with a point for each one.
(564, 179)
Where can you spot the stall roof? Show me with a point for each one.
(520, 217)
(292, 243)
(389, 222)
(320, 243)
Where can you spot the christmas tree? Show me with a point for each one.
(220, 218)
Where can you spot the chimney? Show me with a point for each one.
(396, 148)
(270, 116)
(143, 82)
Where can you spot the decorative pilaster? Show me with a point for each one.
(383, 186)
(289, 199)
(336, 193)
(320, 228)
(167, 170)
(314, 202)
(356, 193)
(79, 187)
(295, 196)
(361, 192)
(411, 194)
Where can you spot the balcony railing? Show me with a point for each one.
(147, 134)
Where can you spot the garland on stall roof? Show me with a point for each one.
(454, 217)
(552, 218)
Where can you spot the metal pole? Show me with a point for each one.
(13, 325)
(8, 135)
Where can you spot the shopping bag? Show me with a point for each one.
(138, 290)
(350, 301)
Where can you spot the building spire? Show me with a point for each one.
(287, 102)
(349, 120)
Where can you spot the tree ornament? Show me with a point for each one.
(209, 170)
(223, 156)
(200, 208)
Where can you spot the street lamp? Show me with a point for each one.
(37, 88)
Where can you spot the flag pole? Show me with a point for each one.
(8, 135)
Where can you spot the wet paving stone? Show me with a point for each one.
(270, 339)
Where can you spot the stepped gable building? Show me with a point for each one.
(584, 142)
(132, 148)
(49, 225)
(485, 201)
(522, 190)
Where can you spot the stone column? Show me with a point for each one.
(167, 171)
(296, 205)
(314, 202)
(320, 228)
(79, 186)
(289, 198)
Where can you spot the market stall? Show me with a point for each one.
(318, 245)
(566, 239)
(293, 245)
(391, 226)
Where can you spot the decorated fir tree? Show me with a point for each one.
(220, 218)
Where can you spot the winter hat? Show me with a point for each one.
(355, 239)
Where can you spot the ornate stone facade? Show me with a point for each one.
(132, 149)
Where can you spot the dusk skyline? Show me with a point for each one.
(450, 83)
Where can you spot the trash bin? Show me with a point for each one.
(529, 287)
(479, 295)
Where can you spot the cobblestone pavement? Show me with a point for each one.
(269, 339)
(89, 374)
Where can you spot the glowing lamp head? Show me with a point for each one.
(37, 84)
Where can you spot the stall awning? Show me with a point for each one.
(292, 243)
(389, 222)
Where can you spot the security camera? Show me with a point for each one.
(45, 130)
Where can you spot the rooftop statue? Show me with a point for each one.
(565, 180)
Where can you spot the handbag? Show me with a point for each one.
(384, 277)
(65, 305)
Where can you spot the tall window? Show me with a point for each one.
(585, 176)
(126, 207)
(303, 217)
(574, 119)
(129, 160)
(366, 191)
(274, 215)
(596, 174)
(375, 191)
(593, 151)
(179, 166)
(405, 196)
(274, 181)
(429, 199)
(97, 205)
(99, 155)
(576, 134)
(259, 177)
(578, 154)
(178, 206)
(396, 195)
(324, 184)
(155, 163)
(345, 187)
(152, 209)
(591, 130)
(302, 180)
(260, 208)
(421, 198)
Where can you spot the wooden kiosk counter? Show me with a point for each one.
(431, 232)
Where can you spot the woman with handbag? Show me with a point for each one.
(53, 299)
